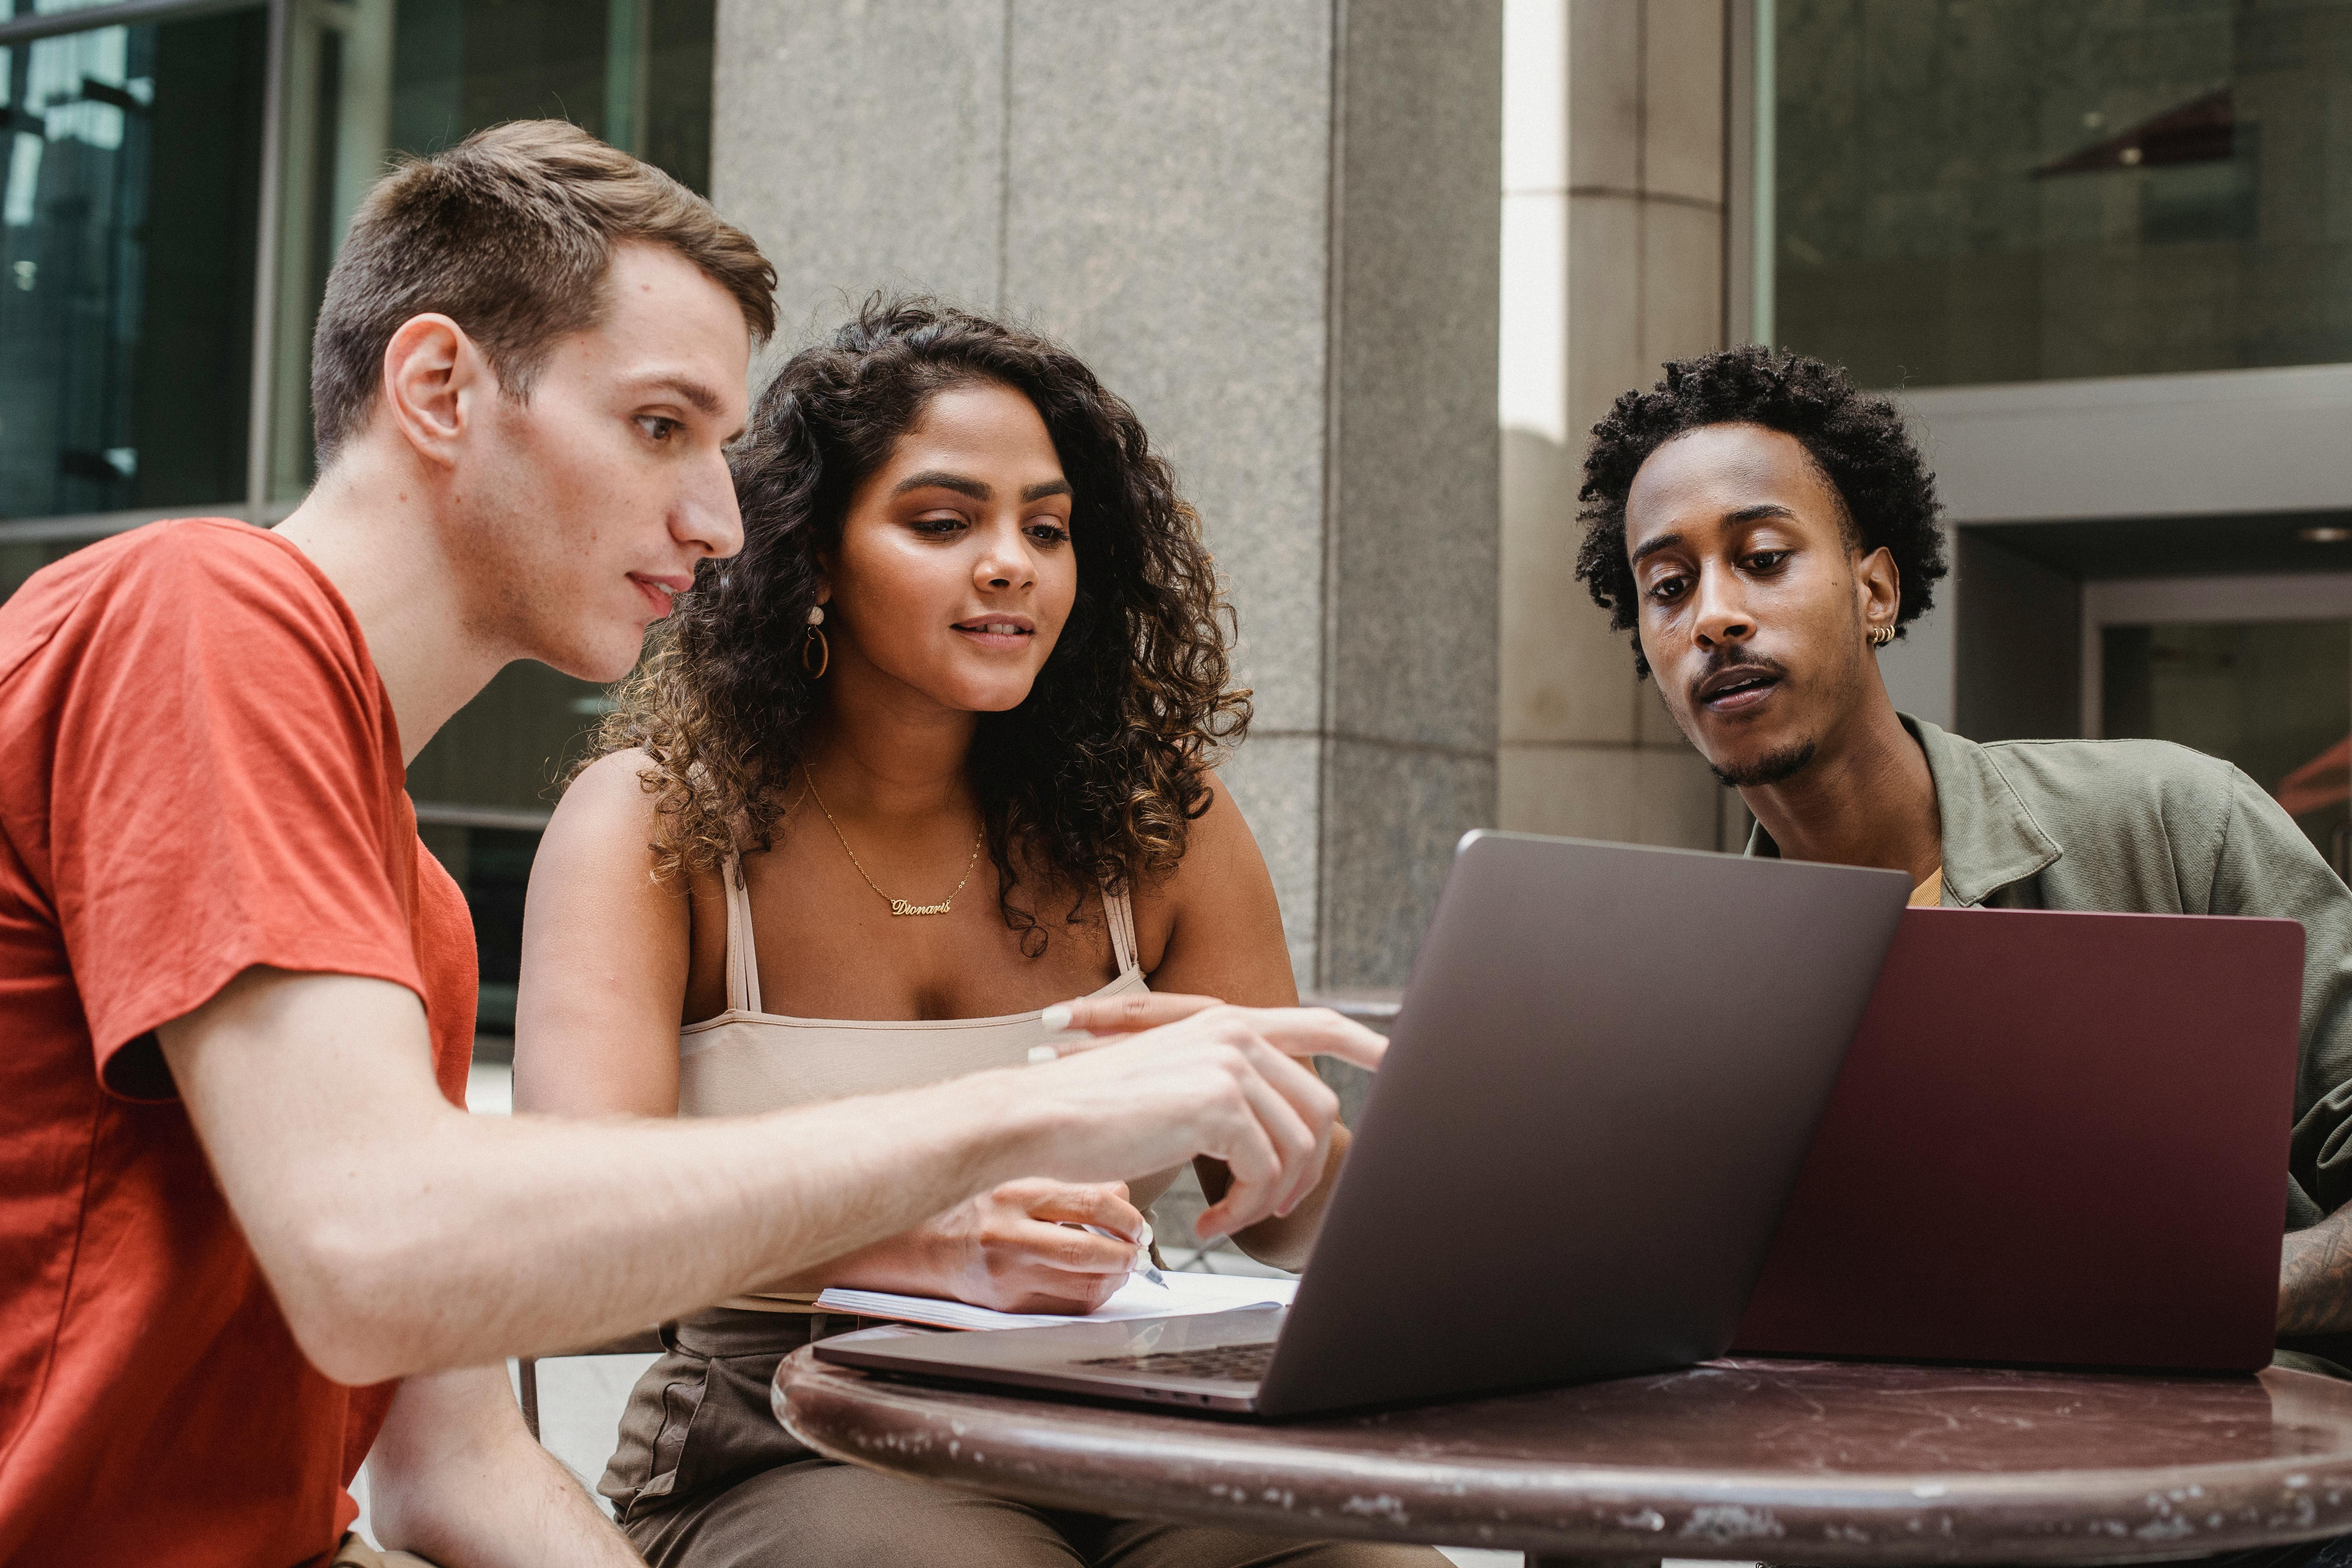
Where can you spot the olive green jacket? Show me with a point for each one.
(2150, 827)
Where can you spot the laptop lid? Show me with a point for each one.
(2059, 1138)
(1606, 1070)
(1607, 1067)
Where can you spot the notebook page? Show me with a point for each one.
(1138, 1298)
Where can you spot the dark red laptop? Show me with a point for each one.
(2058, 1138)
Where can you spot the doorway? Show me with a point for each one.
(2255, 668)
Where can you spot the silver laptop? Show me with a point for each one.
(1608, 1067)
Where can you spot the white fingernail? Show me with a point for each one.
(1040, 1055)
(1056, 1018)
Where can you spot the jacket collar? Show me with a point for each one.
(1990, 840)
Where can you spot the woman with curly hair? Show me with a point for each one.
(932, 753)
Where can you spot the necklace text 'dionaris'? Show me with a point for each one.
(897, 906)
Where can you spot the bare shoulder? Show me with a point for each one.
(599, 844)
(614, 784)
(606, 955)
(1219, 841)
(608, 810)
(1212, 924)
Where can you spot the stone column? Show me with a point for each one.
(1271, 225)
(1613, 243)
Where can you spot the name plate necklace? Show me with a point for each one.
(897, 906)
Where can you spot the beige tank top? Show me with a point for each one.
(745, 1060)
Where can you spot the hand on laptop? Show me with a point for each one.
(1274, 1142)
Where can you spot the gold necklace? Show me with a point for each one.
(897, 906)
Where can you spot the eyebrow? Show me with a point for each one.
(1744, 514)
(1663, 542)
(705, 401)
(939, 478)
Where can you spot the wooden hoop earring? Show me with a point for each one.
(823, 648)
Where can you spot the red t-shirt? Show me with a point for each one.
(200, 773)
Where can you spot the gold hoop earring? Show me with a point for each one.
(1881, 636)
(816, 637)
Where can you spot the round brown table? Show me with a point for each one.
(1784, 1461)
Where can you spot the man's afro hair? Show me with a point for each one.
(1859, 442)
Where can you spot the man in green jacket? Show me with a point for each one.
(1762, 529)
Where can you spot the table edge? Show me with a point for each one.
(1597, 1510)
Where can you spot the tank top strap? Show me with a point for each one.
(743, 954)
(1118, 914)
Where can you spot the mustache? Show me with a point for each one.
(1739, 656)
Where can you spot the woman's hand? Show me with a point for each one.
(1016, 1248)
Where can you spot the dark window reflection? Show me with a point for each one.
(2274, 697)
(493, 866)
(127, 238)
(1973, 191)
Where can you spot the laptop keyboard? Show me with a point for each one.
(1224, 1363)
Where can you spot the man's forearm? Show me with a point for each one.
(541, 1235)
(2315, 1278)
(402, 1236)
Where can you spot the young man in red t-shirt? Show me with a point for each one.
(238, 1195)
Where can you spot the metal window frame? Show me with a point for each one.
(255, 505)
(2252, 596)
(123, 14)
(1748, 154)
(458, 814)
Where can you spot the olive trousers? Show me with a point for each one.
(705, 1478)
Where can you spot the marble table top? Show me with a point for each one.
(1785, 1461)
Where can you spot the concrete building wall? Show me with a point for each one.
(1613, 212)
(1271, 225)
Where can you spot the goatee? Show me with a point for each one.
(1772, 768)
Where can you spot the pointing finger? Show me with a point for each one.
(1314, 1032)
(1113, 1016)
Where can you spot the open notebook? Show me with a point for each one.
(1138, 1298)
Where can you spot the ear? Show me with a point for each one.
(433, 381)
(1877, 588)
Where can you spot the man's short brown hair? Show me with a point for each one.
(511, 234)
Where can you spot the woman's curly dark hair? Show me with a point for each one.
(1095, 777)
(1858, 441)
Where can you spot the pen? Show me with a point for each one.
(1143, 1264)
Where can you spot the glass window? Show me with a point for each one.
(1971, 190)
(372, 79)
(369, 80)
(130, 240)
(125, 366)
